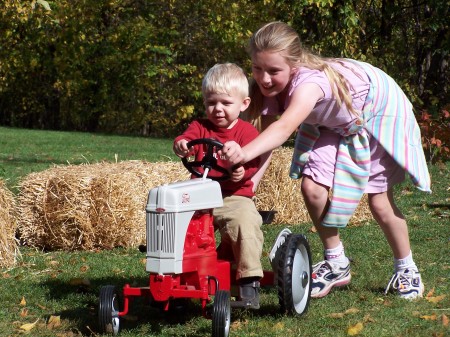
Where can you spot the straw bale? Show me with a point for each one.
(277, 191)
(90, 206)
(102, 205)
(9, 251)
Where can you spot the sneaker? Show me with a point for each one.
(327, 275)
(408, 284)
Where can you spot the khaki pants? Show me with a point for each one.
(239, 224)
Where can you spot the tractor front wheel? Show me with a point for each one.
(108, 310)
(221, 317)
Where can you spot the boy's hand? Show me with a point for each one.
(237, 174)
(180, 148)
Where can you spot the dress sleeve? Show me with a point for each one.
(306, 75)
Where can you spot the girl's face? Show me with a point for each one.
(271, 72)
(223, 110)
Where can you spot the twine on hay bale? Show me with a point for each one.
(8, 244)
(89, 206)
(277, 191)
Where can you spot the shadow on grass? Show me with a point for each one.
(144, 315)
(142, 311)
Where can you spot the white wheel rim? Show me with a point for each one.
(115, 318)
(300, 279)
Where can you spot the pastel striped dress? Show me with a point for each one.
(353, 154)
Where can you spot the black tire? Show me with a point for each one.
(221, 317)
(108, 310)
(294, 275)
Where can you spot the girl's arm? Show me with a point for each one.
(302, 102)
(266, 120)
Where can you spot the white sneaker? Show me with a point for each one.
(327, 275)
(408, 284)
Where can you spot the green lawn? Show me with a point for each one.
(66, 284)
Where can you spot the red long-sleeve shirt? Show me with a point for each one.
(242, 133)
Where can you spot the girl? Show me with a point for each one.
(356, 134)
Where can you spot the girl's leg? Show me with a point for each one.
(391, 221)
(317, 202)
(334, 270)
(406, 279)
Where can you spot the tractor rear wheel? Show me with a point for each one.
(294, 274)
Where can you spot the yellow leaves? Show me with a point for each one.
(444, 320)
(431, 317)
(355, 329)
(350, 311)
(23, 302)
(28, 326)
(433, 299)
(53, 322)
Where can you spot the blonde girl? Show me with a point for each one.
(356, 133)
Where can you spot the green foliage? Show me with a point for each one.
(135, 66)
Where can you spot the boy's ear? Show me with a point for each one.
(245, 103)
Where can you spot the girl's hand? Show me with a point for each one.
(180, 148)
(233, 153)
(237, 174)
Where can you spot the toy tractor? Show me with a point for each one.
(182, 259)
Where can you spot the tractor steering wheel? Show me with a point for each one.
(208, 161)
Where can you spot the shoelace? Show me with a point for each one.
(399, 280)
(324, 267)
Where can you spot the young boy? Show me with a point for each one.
(226, 94)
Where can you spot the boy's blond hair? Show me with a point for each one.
(225, 78)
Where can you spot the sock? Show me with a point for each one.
(405, 263)
(337, 255)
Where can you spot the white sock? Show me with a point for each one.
(337, 255)
(405, 263)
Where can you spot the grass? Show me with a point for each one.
(24, 151)
(66, 284)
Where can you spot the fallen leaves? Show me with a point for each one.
(355, 329)
(28, 326)
(433, 299)
(342, 314)
(53, 322)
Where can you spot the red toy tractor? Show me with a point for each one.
(182, 260)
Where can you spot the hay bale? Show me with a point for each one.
(9, 251)
(277, 191)
(89, 206)
(102, 205)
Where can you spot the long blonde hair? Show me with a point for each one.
(279, 37)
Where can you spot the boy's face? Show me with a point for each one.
(223, 110)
